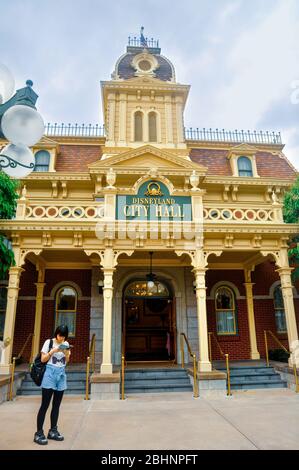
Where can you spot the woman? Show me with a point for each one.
(53, 383)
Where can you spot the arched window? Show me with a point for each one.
(280, 319)
(66, 308)
(152, 127)
(3, 300)
(138, 126)
(244, 166)
(225, 311)
(42, 160)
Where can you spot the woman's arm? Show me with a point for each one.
(46, 356)
(67, 353)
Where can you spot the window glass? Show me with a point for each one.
(225, 311)
(42, 160)
(138, 117)
(142, 289)
(66, 308)
(152, 124)
(280, 320)
(244, 166)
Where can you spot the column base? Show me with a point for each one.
(5, 369)
(255, 356)
(106, 369)
(204, 366)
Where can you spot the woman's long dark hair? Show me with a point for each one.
(62, 330)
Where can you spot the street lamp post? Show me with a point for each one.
(20, 124)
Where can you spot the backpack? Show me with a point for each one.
(38, 367)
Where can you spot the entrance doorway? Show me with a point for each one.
(148, 322)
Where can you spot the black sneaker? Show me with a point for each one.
(55, 434)
(40, 438)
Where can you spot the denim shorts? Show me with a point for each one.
(54, 377)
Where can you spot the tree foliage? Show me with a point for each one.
(8, 204)
(291, 216)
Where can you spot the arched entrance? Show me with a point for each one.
(148, 321)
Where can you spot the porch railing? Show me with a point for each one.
(65, 211)
(241, 214)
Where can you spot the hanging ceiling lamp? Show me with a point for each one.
(151, 277)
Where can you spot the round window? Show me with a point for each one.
(144, 65)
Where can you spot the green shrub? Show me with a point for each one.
(278, 355)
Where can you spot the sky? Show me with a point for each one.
(241, 57)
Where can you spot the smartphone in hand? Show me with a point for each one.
(65, 346)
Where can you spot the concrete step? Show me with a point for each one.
(256, 379)
(158, 383)
(245, 378)
(157, 380)
(150, 389)
(255, 385)
(76, 383)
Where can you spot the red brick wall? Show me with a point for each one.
(237, 346)
(26, 310)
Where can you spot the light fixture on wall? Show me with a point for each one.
(20, 124)
(101, 285)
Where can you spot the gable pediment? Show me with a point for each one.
(147, 157)
(245, 149)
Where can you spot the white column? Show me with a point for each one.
(289, 308)
(204, 364)
(38, 317)
(254, 354)
(106, 366)
(179, 120)
(111, 120)
(10, 317)
(168, 120)
(122, 119)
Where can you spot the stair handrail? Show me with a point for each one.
(226, 356)
(24, 347)
(92, 351)
(122, 377)
(91, 354)
(12, 378)
(285, 349)
(195, 383)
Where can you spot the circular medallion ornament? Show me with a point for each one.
(153, 189)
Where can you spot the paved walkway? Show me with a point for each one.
(259, 419)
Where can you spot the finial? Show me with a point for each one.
(29, 83)
(24, 192)
(143, 41)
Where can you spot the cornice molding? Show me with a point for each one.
(139, 151)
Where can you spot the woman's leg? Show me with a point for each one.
(46, 398)
(55, 407)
